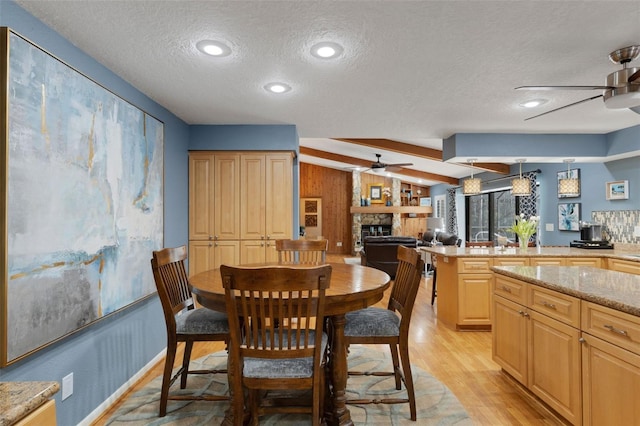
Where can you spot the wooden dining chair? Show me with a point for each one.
(302, 251)
(291, 356)
(390, 326)
(184, 323)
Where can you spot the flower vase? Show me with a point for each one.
(523, 244)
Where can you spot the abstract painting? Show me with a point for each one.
(569, 216)
(83, 173)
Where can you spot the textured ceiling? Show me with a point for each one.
(411, 71)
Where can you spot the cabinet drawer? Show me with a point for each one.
(623, 266)
(595, 262)
(512, 289)
(510, 261)
(616, 327)
(546, 261)
(45, 415)
(473, 265)
(556, 305)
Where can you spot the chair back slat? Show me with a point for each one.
(302, 251)
(172, 282)
(407, 282)
(275, 311)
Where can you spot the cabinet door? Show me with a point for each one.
(226, 253)
(474, 301)
(610, 384)
(278, 212)
(509, 334)
(201, 183)
(227, 197)
(623, 266)
(271, 254)
(595, 262)
(252, 251)
(555, 365)
(252, 197)
(200, 256)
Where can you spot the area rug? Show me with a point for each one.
(436, 405)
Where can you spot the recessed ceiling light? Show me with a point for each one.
(277, 88)
(213, 48)
(533, 103)
(326, 50)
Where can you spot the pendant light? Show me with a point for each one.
(520, 187)
(569, 187)
(471, 186)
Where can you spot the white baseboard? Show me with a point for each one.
(106, 404)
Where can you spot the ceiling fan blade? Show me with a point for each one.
(564, 87)
(633, 77)
(395, 167)
(563, 107)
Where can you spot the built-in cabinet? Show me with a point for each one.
(582, 359)
(239, 204)
(464, 285)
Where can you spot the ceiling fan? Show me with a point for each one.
(622, 88)
(380, 166)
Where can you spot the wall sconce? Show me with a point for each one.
(520, 187)
(471, 186)
(569, 186)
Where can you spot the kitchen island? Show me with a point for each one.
(570, 335)
(465, 277)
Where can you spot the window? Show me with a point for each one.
(488, 216)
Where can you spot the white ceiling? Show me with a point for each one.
(411, 71)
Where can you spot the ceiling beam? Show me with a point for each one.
(420, 151)
(366, 164)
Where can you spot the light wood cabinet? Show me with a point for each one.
(610, 384)
(554, 365)
(539, 349)
(205, 255)
(266, 200)
(45, 415)
(610, 366)
(621, 265)
(594, 262)
(214, 201)
(546, 261)
(238, 202)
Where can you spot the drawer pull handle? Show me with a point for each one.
(548, 305)
(615, 330)
(507, 289)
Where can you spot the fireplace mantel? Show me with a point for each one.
(391, 209)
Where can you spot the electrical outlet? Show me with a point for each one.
(548, 227)
(339, 243)
(67, 386)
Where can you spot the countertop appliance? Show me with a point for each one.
(591, 237)
(591, 244)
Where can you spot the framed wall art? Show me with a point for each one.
(569, 174)
(618, 190)
(83, 210)
(375, 193)
(569, 216)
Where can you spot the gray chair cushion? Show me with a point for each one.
(285, 368)
(372, 322)
(201, 321)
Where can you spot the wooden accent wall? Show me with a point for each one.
(334, 187)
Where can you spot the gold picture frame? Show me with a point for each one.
(374, 192)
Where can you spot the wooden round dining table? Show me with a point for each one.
(352, 287)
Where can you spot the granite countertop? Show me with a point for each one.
(454, 251)
(616, 290)
(18, 399)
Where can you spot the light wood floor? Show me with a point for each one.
(460, 360)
